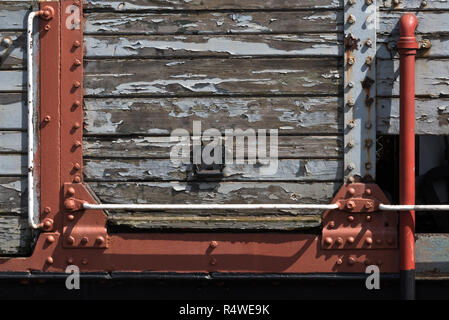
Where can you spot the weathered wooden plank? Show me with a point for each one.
(12, 80)
(387, 47)
(211, 4)
(166, 170)
(12, 164)
(209, 192)
(162, 116)
(186, 221)
(213, 22)
(160, 147)
(432, 77)
(15, 235)
(212, 76)
(235, 45)
(13, 14)
(429, 22)
(13, 195)
(414, 4)
(12, 141)
(14, 56)
(432, 116)
(13, 111)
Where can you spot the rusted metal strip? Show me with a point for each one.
(49, 119)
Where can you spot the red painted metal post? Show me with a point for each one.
(407, 46)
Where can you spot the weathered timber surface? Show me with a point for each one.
(429, 22)
(413, 5)
(13, 164)
(15, 235)
(432, 77)
(166, 170)
(222, 45)
(213, 22)
(12, 80)
(212, 4)
(161, 116)
(432, 116)
(12, 142)
(13, 57)
(215, 192)
(12, 195)
(387, 47)
(160, 147)
(13, 14)
(212, 76)
(13, 111)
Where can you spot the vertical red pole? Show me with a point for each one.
(407, 46)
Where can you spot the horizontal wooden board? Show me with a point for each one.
(14, 56)
(414, 4)
(15, 235)
(13, 196)
(213, 192)
(166, 170)
(432, 77)
(13, 14)
(213, 22)
(160, 147)
(13, 141)
(12, 80)
(432, 116)
(193, 45)
(243, 222)
(161, 116)
(13, 164)
(429, 22)
(211, 4)
(13, 111)
(212, 76)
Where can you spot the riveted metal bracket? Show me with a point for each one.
(359, 224)
(360, 88)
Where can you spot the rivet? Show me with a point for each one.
(77, 144)
(76, 125)
(70, 191)
(331, 225)
(351, 2)
(369, 2)
(76, 44)
(77, 104)
(379, 241)
(77, 84)
(369, 241)
(368, 191)
(213, 261)
(368, 125)
(70, 240)
(47, 119)
(77, 166)
(396, 2)
(351, 261)
(351, 84)
(339, 241)
(369, 218)
(351, 61)
(84, 261)
(351, 144)
(213, 244)
(99, 240)
(351, 19)
(71, 217)
(339, 261)
(84, 240)
(350, 205)
(77, 179)
(77, 62)
(328, 241)
(51, 239)
(369, 43)
(350, 218)
(368, 165)
(351, 240)
(351, 179)
(369, 205)
(424, 3)
(351, 191)
(47, 224)
(70, 260)
(369, 61)
(351, 124)
(47, 210)
(70, 204)
(50, 260)
(351, 103)
(47, 27)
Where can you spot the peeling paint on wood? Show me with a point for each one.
(13, 14)
(162, 116)
(214, 22)
(166, 170)
(429, 22)
(12, 80)
(13, 195)
(15, 235)
(212, 76)
(12, 141)
(13, 164)
(13, 112)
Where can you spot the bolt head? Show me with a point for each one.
(47, 119)
(71, 192)
(84, 240)
(351, 61)
(328, 241)
(77, 166)
(369, 43)
(100, 240)
(47, 27)
(51, 239)
(213, 244)
(351, 84)
(50, 260)
(77, 84)
(47, 224)
(369, 205)
(77, 44)
(76, 125)
(350, 205)
(351, 240)
(369, 241)
(351, 19)
(369, 2)
(70, 204)
(351, 103)
(70, 240)
(339, 261)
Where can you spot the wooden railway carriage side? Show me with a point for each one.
(145, 68)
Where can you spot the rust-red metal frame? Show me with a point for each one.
(73, 236)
